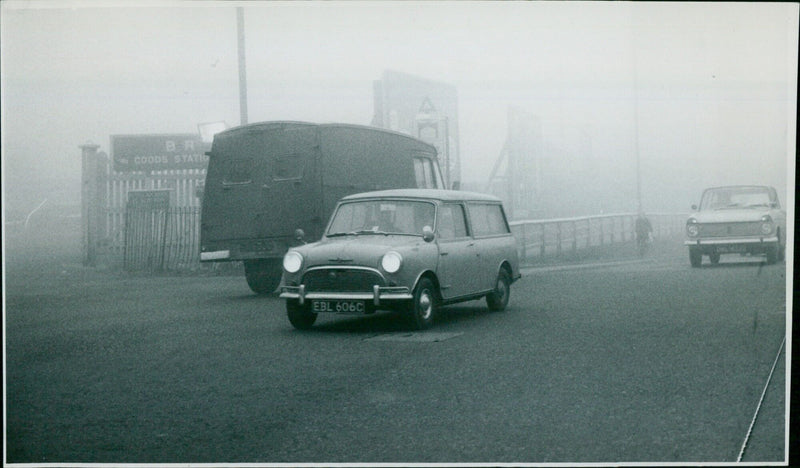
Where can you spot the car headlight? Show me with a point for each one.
(391, 262)
(292, 261)
(766, 224)
(692, 228)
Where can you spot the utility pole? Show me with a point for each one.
(242, 67)
(636, 114)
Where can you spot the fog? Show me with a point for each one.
(704, 93)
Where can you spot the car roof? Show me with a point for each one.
(291, 124)
(740, 186)
(428, 194)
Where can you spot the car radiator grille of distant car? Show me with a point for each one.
(730, 229)
(341, 280)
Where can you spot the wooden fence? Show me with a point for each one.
(183, 184)
(161, 239)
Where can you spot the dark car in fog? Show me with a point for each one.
(404, 250)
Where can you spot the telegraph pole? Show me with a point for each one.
(636, 114)
(242, 67)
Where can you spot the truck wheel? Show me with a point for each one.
(423, 305)
(695, 257)
(263, 276)
(497, 300)
(300, 316)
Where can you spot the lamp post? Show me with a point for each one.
(636, 114)
(242, 67)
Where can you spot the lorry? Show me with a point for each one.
(272, 185)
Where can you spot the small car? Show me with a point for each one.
(743, 219)
(406, 250)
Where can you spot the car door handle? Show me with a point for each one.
(470, 244)
(443, 253)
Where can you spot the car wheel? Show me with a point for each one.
(423, 305)
(714, 257)
(695, 257)
(263, 276)
(497, 300)
(772, 254)
(300, 316)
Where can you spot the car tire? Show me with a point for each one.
(497, 300)
(714, 257)
(263, 276)
(695, 257)
(772, 254)
(300, 316)
(423, 305)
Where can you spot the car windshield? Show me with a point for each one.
(381, 217)
(735, 197)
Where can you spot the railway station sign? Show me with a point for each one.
(132, 153)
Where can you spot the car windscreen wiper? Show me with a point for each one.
(369, 231)
(356, 233)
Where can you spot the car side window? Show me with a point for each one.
(487, 219)
(452, 222)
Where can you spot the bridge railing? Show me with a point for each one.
(538, 239)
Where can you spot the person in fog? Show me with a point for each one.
(643, 230)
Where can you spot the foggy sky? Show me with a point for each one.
(713, 85)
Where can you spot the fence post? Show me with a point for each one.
(90, 198)
(602, 232)
(622, 229)
(574, 237)
(541, 248)
(164, 240)
(613, 225)
(558, 239)
(588, 232)
(524, 244)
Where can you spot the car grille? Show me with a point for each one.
(730, 229)
(341, 280)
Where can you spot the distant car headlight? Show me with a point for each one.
(766, 224)
(692, 228)
(391, 262)
(292, 261)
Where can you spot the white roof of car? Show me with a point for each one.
(428, 194)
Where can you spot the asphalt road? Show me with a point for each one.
(609, 361)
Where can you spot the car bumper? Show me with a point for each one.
(732, 241)
(379, 295)
(215, 256)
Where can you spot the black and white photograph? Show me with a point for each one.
(398, 233)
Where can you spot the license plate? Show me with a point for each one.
(731, 249)
(339, 307)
